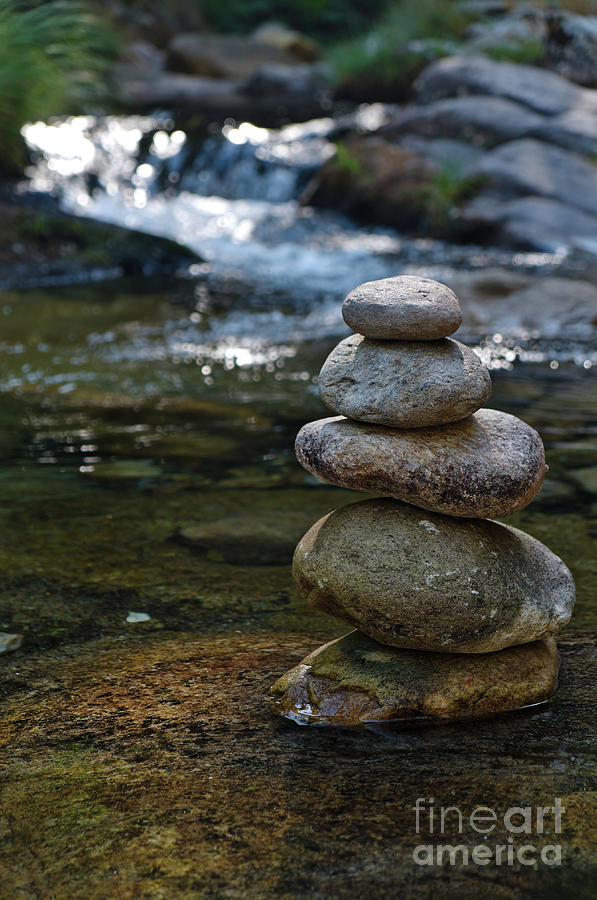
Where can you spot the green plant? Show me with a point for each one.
(517, 52)
(446, 190)
(51, 58)
(347, 161)
(383, 50)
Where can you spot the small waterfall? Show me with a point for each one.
(232, 194)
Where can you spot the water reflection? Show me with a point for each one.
(125, 423)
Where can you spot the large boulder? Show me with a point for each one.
(538, 223)
(374, 180)
(277, 81)
(481, 120)
(446, 154)
(41, 245)
(174, 89)
(521, 31)
(528, 166)
(432, 582)
(500, 301)
(575, 130)
(287, 39)
(543, 91)
(222, 56)
(271, 93)
(572, 46)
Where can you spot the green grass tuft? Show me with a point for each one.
(382, 50)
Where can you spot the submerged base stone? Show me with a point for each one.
(354, 680)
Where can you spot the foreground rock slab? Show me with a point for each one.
(406, 384)
(407, 307)
(432, 582)
(489, 464)
(354, 681)
(152, 766)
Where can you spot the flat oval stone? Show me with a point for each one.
(354, 680)
(432, 582)
(405, 308)
(406, 384)
(489, 464)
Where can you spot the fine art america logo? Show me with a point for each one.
(516, 824)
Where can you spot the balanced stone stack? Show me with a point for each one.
(455, 613)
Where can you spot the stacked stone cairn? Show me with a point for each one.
(455, 612)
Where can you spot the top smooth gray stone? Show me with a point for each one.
(405, 308)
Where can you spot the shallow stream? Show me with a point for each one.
(151, 503)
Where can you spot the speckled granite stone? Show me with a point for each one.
(354, 680)
(406, 384)
(407, 307)
(432, 582)
(489, 464)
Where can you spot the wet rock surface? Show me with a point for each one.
(46, 245)
(154, 765)
(355, 680)
(403, 383)
(431, 582)
(489, 464)
(406, 307)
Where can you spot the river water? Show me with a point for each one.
(135, 410)
(151, 503)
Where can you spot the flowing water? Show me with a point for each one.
(135, 411)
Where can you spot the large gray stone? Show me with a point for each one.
(533, 167)
(222, 56)
(543, 91)
(489, 464)
(540, 223)
(355, 680)
(483, 120)
(522, 28)
(407, 384)
(572, 46)
(515, 304)
(574, 130)
(407, 307)
(432, 582)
